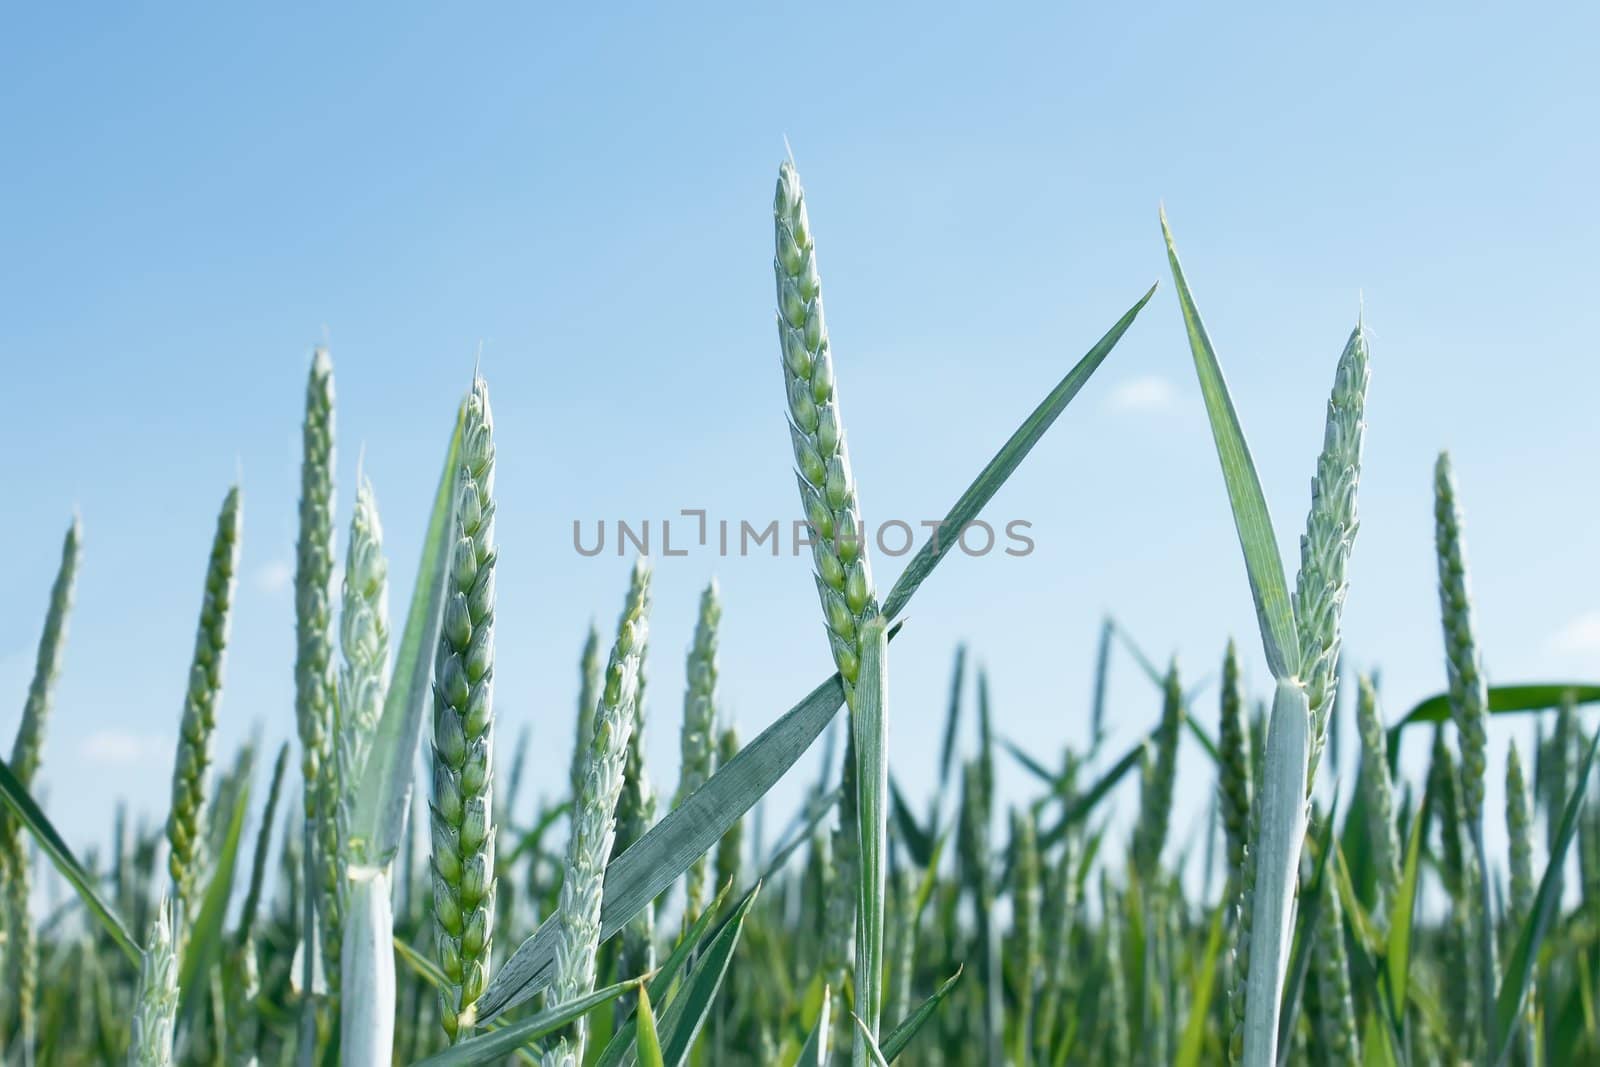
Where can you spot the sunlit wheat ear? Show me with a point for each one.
(594, 816)
(821, 453)
(463, 731)
(364, 674)
(1378, 792)
(156, 1002)
(21, 954)
(1330, 533)
(698, 741)
(636, 813)
(190, 782)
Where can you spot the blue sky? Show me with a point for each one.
(195, 197)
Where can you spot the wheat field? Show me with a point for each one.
(391, 886)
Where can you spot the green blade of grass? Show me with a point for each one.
(918, 841)
(814, 1053)
(691, 943)
(1397, 961)
(647, 1045)
(378, 818)
(687, 1013)
(28, 814)
(1269, 586)
(1085, 803)
(494, 1046)
(874, 1054)
(901, 1035)
(1031, 765)
(1004, 463)
(263, 849)
(1505, 700)
(204, 944)
(952, 718)
(1205, 980)
(1520, 965)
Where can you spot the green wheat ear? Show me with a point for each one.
(698, 741)
(1469, 708)
(588, 692)
(1330, 533)
(21, 953)
(463, 732)
(594, 817)
(821, 453)
(314, 678)
(1234, 778)
(730, 848)
(364, 674)
(193, 760)
(1335, 1019)
(1378, 792)
(1155, 802)
(156, 1002)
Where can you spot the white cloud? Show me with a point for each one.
(1581, 636)
(119, 748)
(1150, 393)
(274, 576)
